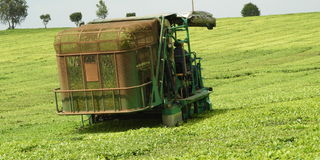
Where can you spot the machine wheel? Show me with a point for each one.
(172, 116)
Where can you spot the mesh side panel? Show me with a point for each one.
(108, 41)
(95, 101)
(88, 42)
(127, 41)
(93, 98)
(70, 48)
(108, 35)
(117, 100)
(108, 77)
(89, 47)
(131, 98)
(111, 45)
(108, 71)
(63, 77)
(69, 38)
(144, 71)
(75, 78)
(74, 72)
(127, 77)
(127, 71)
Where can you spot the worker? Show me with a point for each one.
(179, 52)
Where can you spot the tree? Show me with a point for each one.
(45, 19)
(76, 17)
(102, 11)
(13, 12)
(132, 14)
(250, 9)
(81, 23)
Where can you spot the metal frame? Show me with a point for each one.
(198, 96)
(91, 92)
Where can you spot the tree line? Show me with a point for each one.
(14, 12)
(102, 13)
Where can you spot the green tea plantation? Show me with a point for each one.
(265, 72)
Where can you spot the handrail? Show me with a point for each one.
(101, 89)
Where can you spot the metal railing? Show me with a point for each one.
(68, 95)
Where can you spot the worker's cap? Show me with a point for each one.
(178, 43)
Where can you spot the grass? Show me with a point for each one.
(265, 72)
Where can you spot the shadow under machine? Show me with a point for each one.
(121, 66)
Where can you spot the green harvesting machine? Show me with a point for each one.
(134, 64)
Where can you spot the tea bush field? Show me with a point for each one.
(265, 72)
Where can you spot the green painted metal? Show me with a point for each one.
(171, 110)
(199, 94)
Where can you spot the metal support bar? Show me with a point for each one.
(82, 121)
(71, 98)
(142, 95)
(102, 89)
(160, 48)
(114, 102)
(92, 99)
(56, 100)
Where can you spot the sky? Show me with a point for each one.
(61, 9)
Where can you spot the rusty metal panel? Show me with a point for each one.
(91, 72)
(103, 66)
